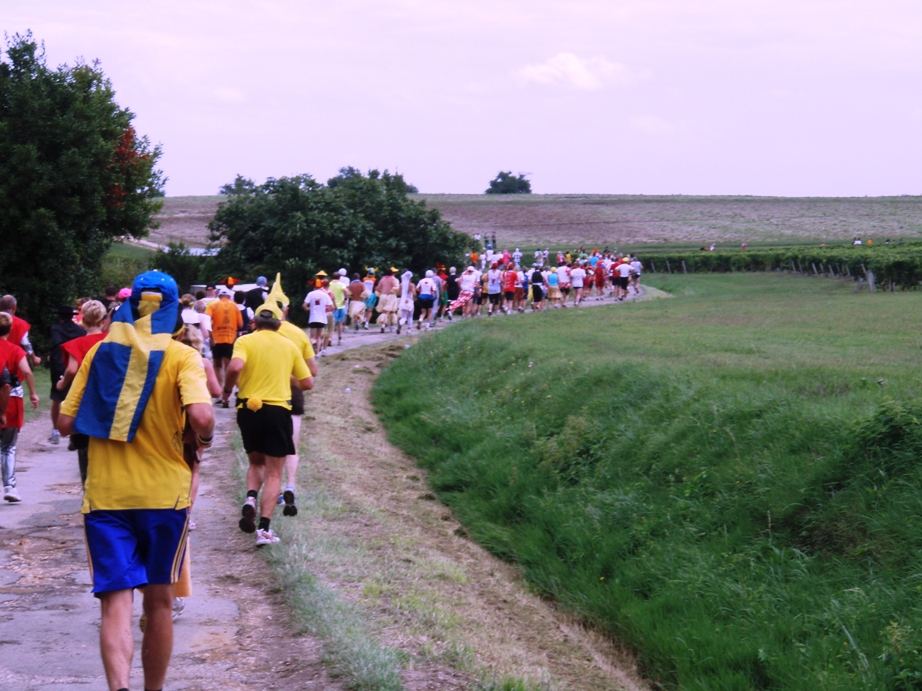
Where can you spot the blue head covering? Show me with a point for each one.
(126, 363)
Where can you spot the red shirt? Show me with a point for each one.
(509, 280)
(18, 330)
(79, 347)
(10, 357)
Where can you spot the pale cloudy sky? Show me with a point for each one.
(764, 97)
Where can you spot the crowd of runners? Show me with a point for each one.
(136, 374)
(493, 283)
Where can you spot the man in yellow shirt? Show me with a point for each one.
(303, 344)
(263, 367)
(131, 396)
(226, 322)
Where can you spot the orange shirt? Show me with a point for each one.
(226, 319)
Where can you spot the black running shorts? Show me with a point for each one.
(267, 430)
(222, 351)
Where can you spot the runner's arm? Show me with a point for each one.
(201, 418)
(231, 375)
(69, 373)
(312, 366)
(305, 384)
(26, 372)
(214, 388)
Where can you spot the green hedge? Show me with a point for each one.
(900, 264)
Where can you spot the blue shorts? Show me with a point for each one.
(339, 316)
(132, 548)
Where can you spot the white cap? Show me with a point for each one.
(342, 272)
(429, 274)
(224, 290)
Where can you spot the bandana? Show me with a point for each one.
(126, 364)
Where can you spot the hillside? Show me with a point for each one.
(568, 220)
(727, 483)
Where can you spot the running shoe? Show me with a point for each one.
(281, 499)
(382, 329)
(398, 328)
(248, 521)
(225, 404)
(11, 495)
(179, 606)
(266, 537)
(55, 436)
(192, 525)
(289, 496)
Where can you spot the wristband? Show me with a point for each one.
(202, 440)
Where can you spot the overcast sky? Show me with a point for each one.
(764, 97)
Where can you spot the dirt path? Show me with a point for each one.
(454, 609)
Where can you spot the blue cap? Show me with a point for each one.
(261, 281)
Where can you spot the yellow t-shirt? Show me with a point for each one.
(339, 293)
(299, 338)
(269, 360)
(150, 472)
(226, 319)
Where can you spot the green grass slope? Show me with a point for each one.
(728, 482)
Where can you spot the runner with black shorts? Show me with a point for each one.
(262, 367)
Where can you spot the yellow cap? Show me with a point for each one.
(270, 306)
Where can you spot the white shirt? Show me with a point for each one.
(517, 257)
(494, 281)
(563, 274)
(468, 280)
(624, 270)
(637, 266)
(578, 274)
(426, 287)
(317, 302)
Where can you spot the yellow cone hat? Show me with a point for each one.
(276, 294)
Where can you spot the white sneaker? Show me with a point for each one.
(179, 606)
(55, 437)
(11, 495)
(266, 537)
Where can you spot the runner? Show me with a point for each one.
(137, 492)
(407, 299)
(466, 295)
(16, 363)
(623, 270)
(316, 303)
(553, 287)
(263, 364)
(452, 291)
(494, 289)
(638, 269)
(72, 354)
(509, 282)
(537, 289)
(388, 302)
(65, 330)
(428, 291)
(357, 294)
(563, 278)
(19, 333)
(577, 277)
(338, 291)
(372, 299)
(303, 344)
(226, 323)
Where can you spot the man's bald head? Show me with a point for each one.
(8, 304)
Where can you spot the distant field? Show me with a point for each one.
(561, 221)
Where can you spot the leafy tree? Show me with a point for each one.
(299, 226)
(349, 172)
(507, 183)
(74, 176)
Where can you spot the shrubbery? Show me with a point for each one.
(901, 264)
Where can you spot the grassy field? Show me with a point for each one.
(727, 482)
(634, 222)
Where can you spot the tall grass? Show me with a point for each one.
(727, 482)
